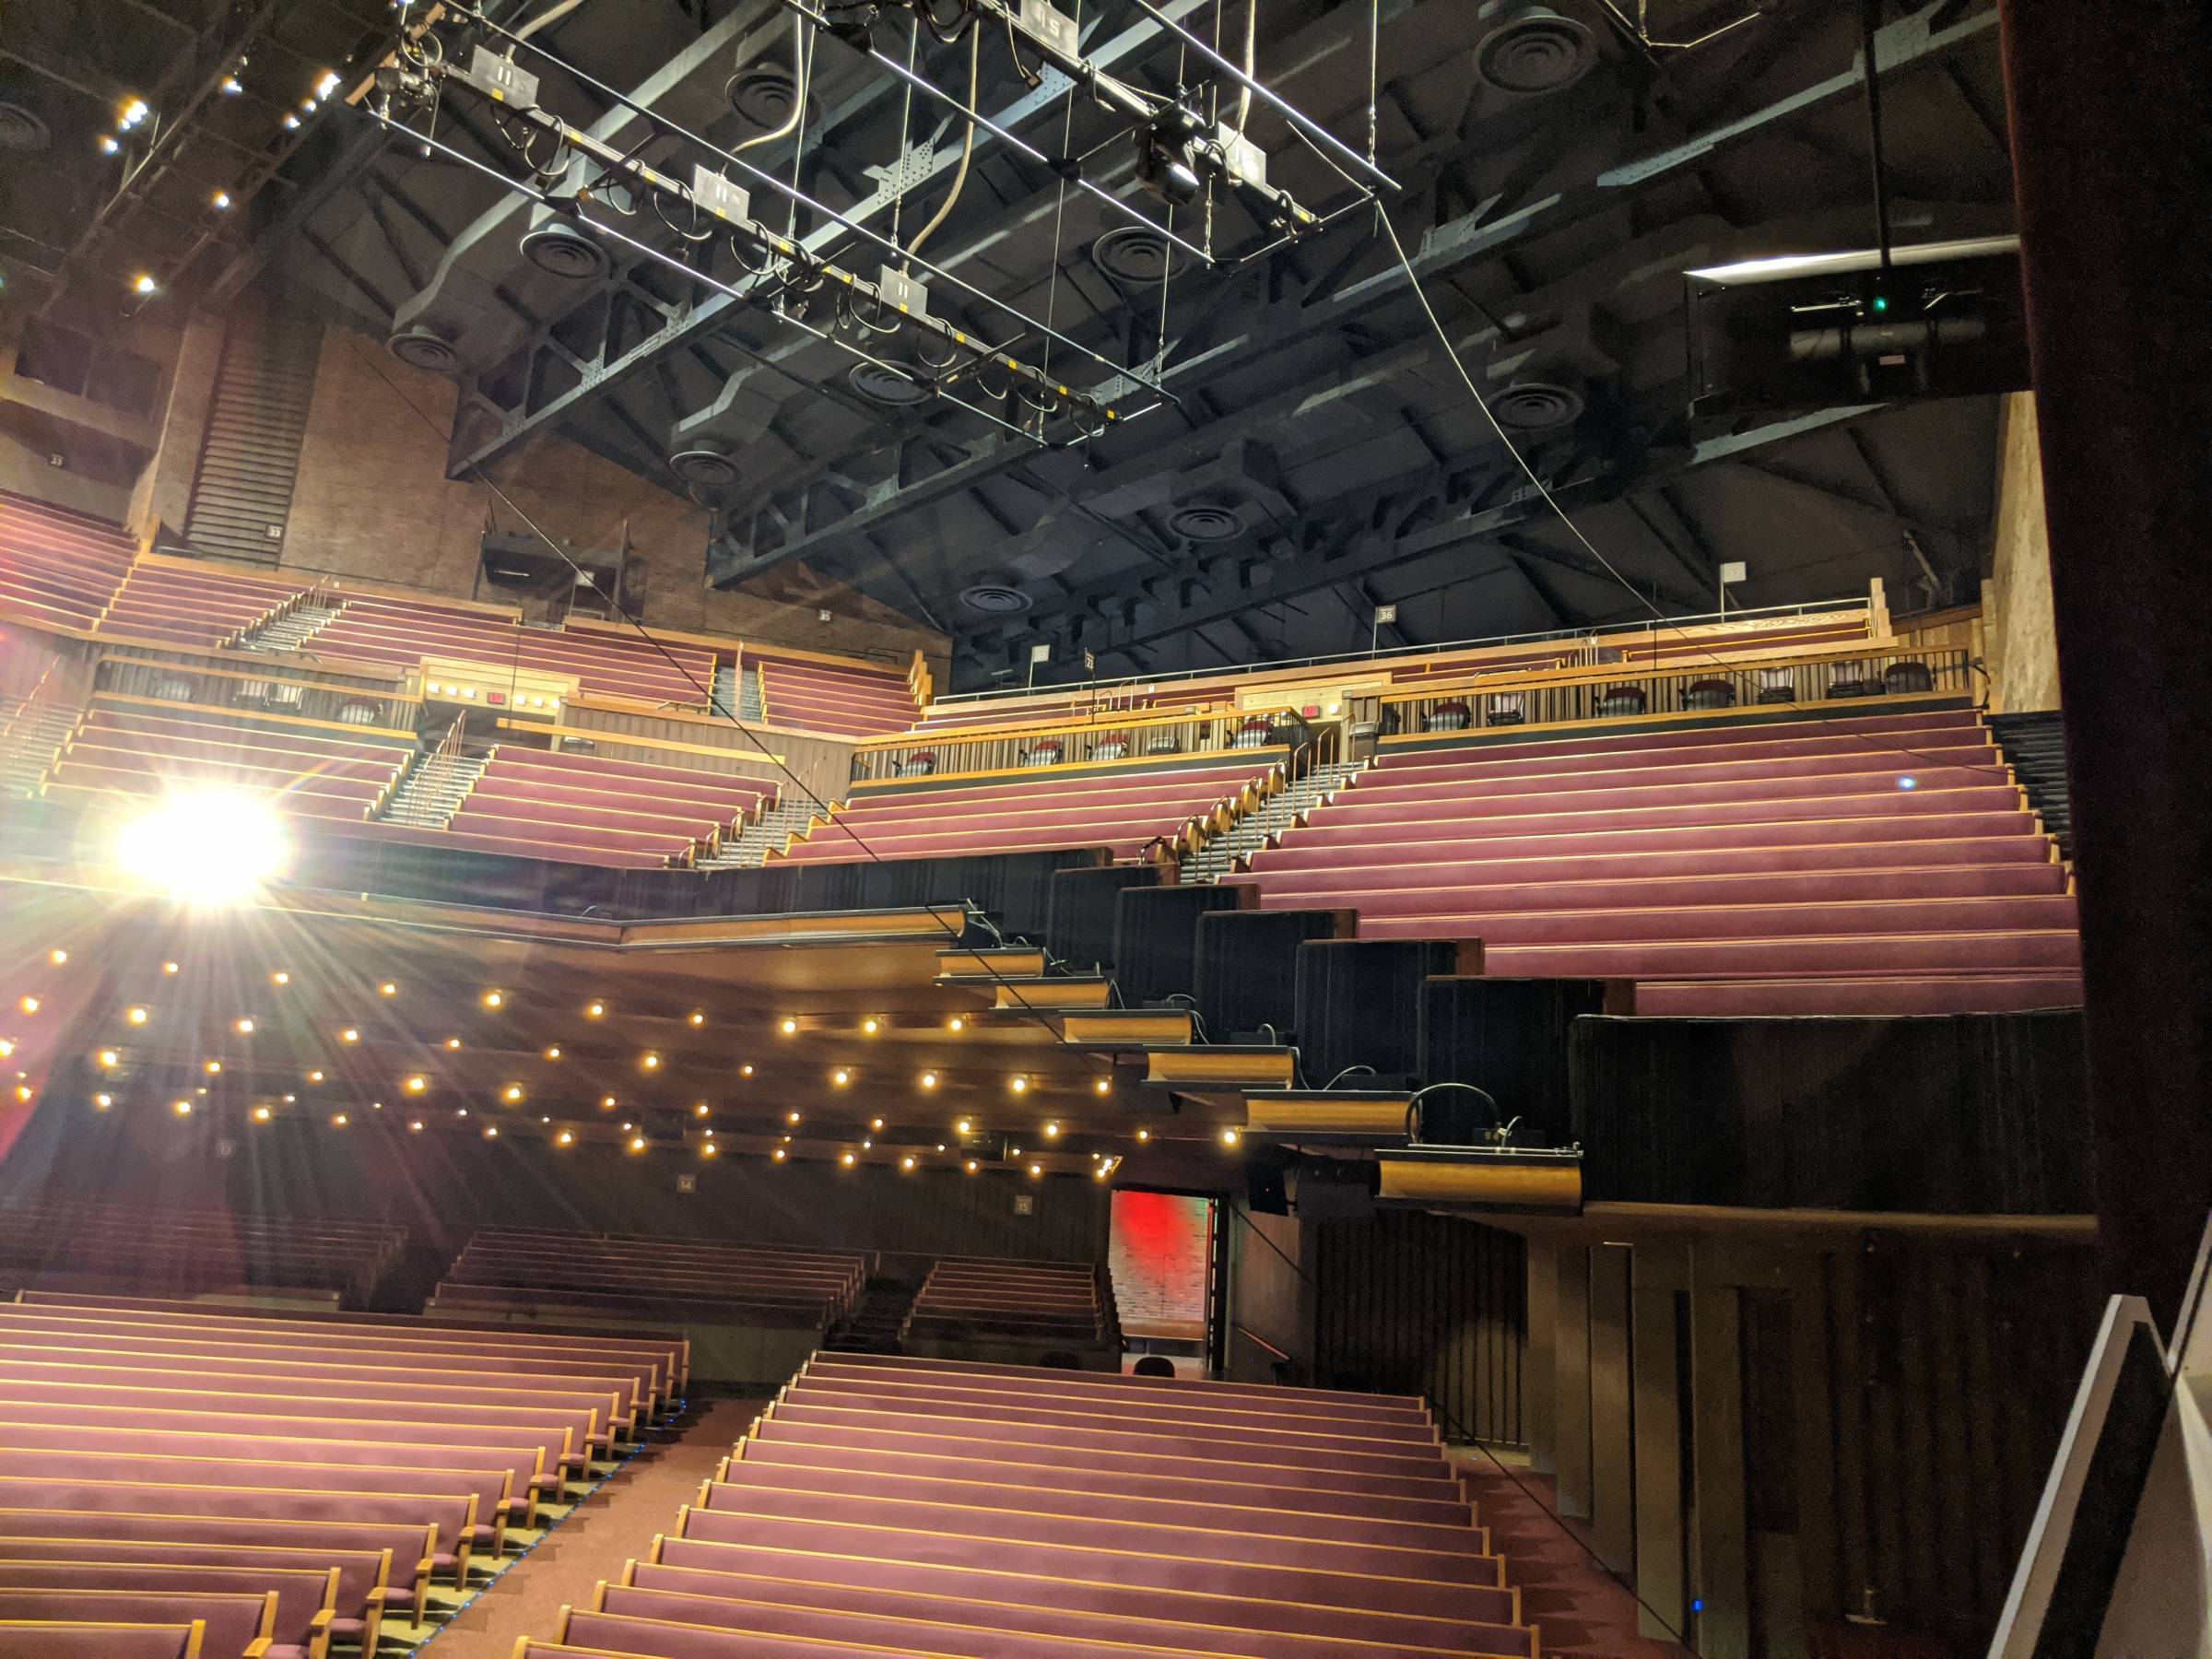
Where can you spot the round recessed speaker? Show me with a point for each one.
(424, 348)
(884, 384)
(707, 463)
(1533, 406)
(21, 129)
(995, 599)
(1133, 255)
(764, 95)
(564, 251)
(1205, 523)
(1532, 50)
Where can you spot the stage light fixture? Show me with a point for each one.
(907, 1162)
(1052, 1131)
(790, 1028)
(495, 999)
(929, 1080)
(280, 978)
(553, 1052)
(700, 1109)
(514, 1093)
(205, 848)
(871, 1025)
(453, 1043)
(594, 1011)
(1035, 1170)
(350, 1035)
(328, 84)
(244, 1028)
(1230, 1137)
(847, 1159)
(965, 1126)
(971, 1166)
(637, 1143)
(108, 143)
(232, 86)
(1102, 1086)
(389, 988)
(182, 1107)
(698, 1018)
(491, 1131)
(564, 1139)
(650, 1061)
(103, 1101)
(414, 1126)
(144, 284)
(1018, 1083)
(339, 1120)
(57, 957)
(29, 1005)
(1143, 1134)
(841, 1076)
(138, 1016)
(170, 968)
(777, 1155)
(221, 201)
(607, 1103)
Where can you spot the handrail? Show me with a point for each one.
(1260, 1342)
(1045, 728)
(1788, 657)
(1164, 741)
(1231, 670)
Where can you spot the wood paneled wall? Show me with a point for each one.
(441, 1185)
(1794, 1427)
(824, 765)
(1415, 1303)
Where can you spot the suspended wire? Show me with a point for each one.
(800, 35)
(960, 179)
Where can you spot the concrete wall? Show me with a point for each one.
(2019, 638)
(100, 448)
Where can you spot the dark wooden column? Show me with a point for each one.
(2112, 125)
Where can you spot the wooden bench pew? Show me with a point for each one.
(90, 1638)
(232, 1626)
(300, 1624)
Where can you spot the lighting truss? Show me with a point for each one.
(781, 271)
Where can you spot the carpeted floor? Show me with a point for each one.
(1581, 1612)
(615, 1523)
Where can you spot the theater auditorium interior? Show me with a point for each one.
(1104, 830)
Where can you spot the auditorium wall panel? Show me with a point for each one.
(439, 1185)
(1817, 1421)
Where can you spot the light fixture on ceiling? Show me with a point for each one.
(205, 848)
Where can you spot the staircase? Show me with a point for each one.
(433, 789)
(750, 849)
(875, 1320)
(724, 693)
(2036, 746)
(1270, 818)
(292, 629)
(30, 737)
(750, 705)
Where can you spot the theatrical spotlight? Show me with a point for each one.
(205, 847)
(1167, 152)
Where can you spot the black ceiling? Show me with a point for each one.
(1320, 454)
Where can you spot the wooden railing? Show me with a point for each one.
(1811, 679)
(304, 694)
(1160, 738)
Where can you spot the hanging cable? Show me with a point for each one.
(800, 34)
(547, 18)
(960, 179)
(1252, 48)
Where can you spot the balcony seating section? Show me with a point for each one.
(1044, 1304)
(374, 628)
(537, 800)
(308, 1479)
(521, 1272)
(182, 604)
(884, 1504)
(1878, 862)
(130, 747)
(1127, 812)
(845, 699)
(135, 1250)
(57, 567)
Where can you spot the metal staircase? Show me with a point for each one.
(748, 850)
(1265, 821)
(292, 629)
(436, 784)
(2036, 746)
(749, 704)
(30, 735)
(722, 692)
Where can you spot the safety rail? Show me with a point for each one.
(1621, 635)
(336, 699)
(1611, 693)
(1146, 739)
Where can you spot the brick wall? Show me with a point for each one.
(372, 502)
(1157, 1254)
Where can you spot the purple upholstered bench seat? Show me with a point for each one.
(401, 1553)
(234, 1625)
(299, 1626)
(1461, 1594)
(1189, 1542)
(358, 1580)
(921, 1455)
(93, 1639)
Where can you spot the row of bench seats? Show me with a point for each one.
(373, 627)
(522, 1272)
(1128, 813)
(205, 605)
(888, 1505)
(151, 1252)
(846, 699)
(601, 804)
(288, 1482)
(1875, 864)
(1005, 1303)
(58, 567)
(124, 745)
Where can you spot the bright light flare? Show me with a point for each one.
(205, 848)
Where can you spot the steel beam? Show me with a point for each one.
(1450, 248)
(705, 317)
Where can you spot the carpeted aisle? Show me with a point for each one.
(615, 1523)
